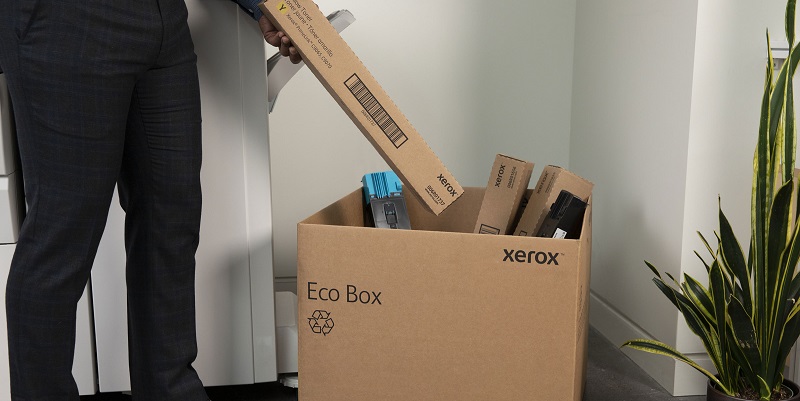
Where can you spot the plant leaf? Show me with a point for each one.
(780, 216)
(700, 296)
(653, 269)
(794, 288)
(668, 291)
(764, 390)
(719, 296)
(777, 281)
(791, 331)
(790, 13)
(705, 242)
(658, 347)
(672, 278)
(692, 316)
(705, 264)
(705, 329)
(745, 372)
(792, 259)
(733, 257)
(787, 321)
(790, 141)
(745, 337)
(761, 191)
(780, 93)
(790, 328)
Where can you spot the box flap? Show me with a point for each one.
(347, 211)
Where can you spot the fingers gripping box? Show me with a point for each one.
(438, 313)
(352, 86)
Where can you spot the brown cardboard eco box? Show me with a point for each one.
(508, 182)
(438, 313)
(553, 180)
(352, 86)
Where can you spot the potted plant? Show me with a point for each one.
(747, 315)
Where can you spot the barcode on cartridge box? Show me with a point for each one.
(485, 229)
(376, 111)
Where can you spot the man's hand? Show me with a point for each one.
(278, 39)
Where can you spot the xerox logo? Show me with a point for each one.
(521, 256)
(500, 173)
(321, 322)
(447, 185)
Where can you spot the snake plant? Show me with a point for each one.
(747, 314)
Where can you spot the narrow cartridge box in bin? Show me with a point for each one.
(505, 191)
(366, 103)
(438, 312)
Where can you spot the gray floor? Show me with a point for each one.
(610, 376)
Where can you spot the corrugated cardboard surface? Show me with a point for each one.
(507, 184)
(358, 93)
(433, 315)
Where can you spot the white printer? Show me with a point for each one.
(12, 205)
(11, 195)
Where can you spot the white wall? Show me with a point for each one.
(726, 97)
(473, 86)
(630, 132)
(665, 116)
(523, 74)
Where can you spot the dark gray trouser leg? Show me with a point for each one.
(102, 92)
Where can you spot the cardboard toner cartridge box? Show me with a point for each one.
(438, 312)
(553, 180)
(352, 86)
(508, 182)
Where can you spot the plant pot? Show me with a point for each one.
(712, 394)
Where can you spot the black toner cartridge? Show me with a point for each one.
(565, 217)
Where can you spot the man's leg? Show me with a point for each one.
(160, 192)
(71, 67)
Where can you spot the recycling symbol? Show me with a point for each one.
(321, 322)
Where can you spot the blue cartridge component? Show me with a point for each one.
(383, 192)
(381, 185)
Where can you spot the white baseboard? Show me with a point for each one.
(676, 377)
